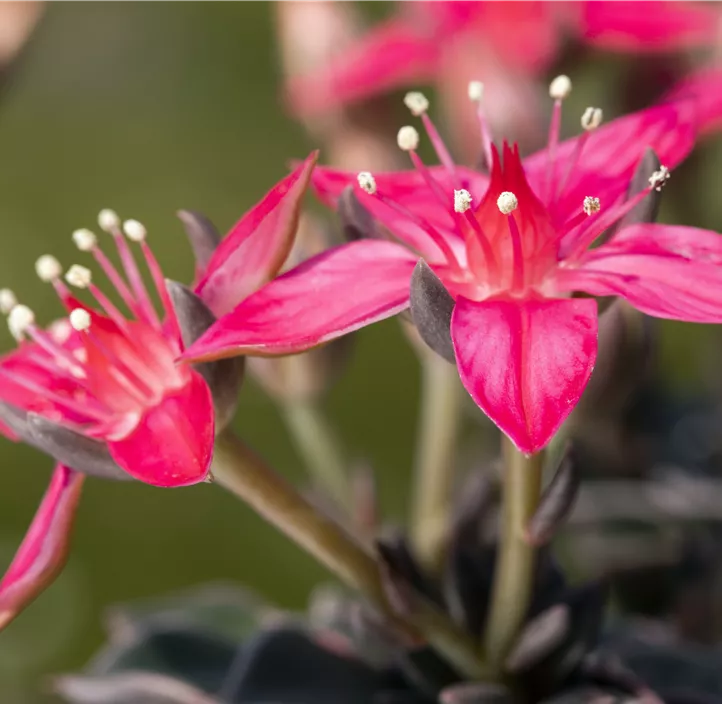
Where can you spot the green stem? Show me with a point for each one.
(514, 572)
(435, 453)
(320, 449)
(242, 472)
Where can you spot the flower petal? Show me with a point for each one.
(525, 362)
(44, 549)
(665, 271)
(611, 155)
(705, 88)
(254, 250)
(393, 54)
(327, 296)
(648, 26)
(172, 443)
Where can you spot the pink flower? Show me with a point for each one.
(450, 43)
(509, 249)
(101, 391)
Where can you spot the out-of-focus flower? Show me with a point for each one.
(101, 391)
(509, 249)
(506, 44)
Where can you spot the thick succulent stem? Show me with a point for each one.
(320, 449)
(244, 473)
(435, 454)
(516, 562)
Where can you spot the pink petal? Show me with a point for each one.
(648, 26)
(172, 443)
(44, 549)
(612, 153)
(334, 293)
(254, 250)
(705, 88)
(525, 362)
(665, 271)
(395, 53)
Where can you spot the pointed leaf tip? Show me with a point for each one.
(556, 503)
(431, 310)
(202, 235)
(539, 638)
(223, 376)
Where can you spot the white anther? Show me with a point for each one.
(108, 220)
(19, 320)
(60, 330)
(507, 202)
(80, 319)
(462, 200)
(407, 138)
(659, 178)
(416, 102)
(48, 268)
(134, 230)
(8, 301)
(591, 205)
(79, 276)
(367, 182)
(560, 87)
(476, 91)
(84, 239)
(592, 118)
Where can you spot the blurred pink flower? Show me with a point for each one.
(509, 248)
(102, 392)
(454, 41)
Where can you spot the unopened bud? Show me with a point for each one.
(367, 182)
(48, 268)
(560, 87)
(408, 138)
(416, 102)
(507, 202)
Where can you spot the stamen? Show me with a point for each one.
(110, 222)
(367, 182)
(476, 95)
(462, 200)
(407, 138)
(560, 87)
(517, 281)
(20, 319)
(591, 205)
(134, 230)
(85, 240)
(80, 319)
(8, 301)
(659, 178)
(416, 102)
(48, 268)
(507, 202)
(79, 276)
(592, 118)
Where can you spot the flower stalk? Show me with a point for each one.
(244, 473)
(516, 561)
(435, 454)
(320, 448)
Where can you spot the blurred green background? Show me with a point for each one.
(147, 108)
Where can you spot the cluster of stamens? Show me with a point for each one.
(52, 354)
